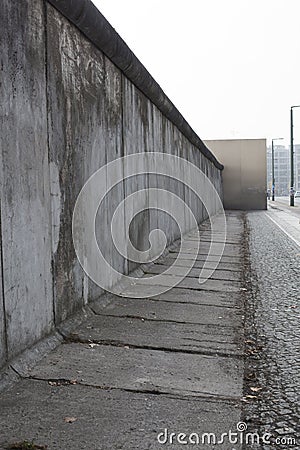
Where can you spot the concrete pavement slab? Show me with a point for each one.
(154, 334)
(198, 264)
(153, 309)
(151, 285)
(234, 235)
(232, 250)
(143, 370)
(203, 256)
(207, 239)
(194, 273)
(219, 299)
(108, 419)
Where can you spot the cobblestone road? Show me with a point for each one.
(272, 324)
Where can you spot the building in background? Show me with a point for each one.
(245, 172)
(282, 164)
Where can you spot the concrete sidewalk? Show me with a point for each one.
(286, 217)
(283, 204)
(137, 368)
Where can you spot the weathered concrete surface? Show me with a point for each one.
(25, 192)
(137, 117)
(96, 116)
(229, 250)
(3, 347)
(170, 281)
(147, 370)
(203, 256)
(107, 419)
(84, 134)
(198, 264)
(67, 111)
(134, 368)
(184, 295)
(194, 312)
(194, 273)
(168, 335)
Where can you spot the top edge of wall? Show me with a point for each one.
(88, 19)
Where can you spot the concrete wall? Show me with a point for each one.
(66, 111)
(25, 182)
(244, 174)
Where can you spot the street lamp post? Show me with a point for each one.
(273, 171)
(292, 192)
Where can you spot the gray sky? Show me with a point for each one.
(231, 67)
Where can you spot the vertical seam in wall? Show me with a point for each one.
(2, 288)
(123, 154)
(48, 149)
